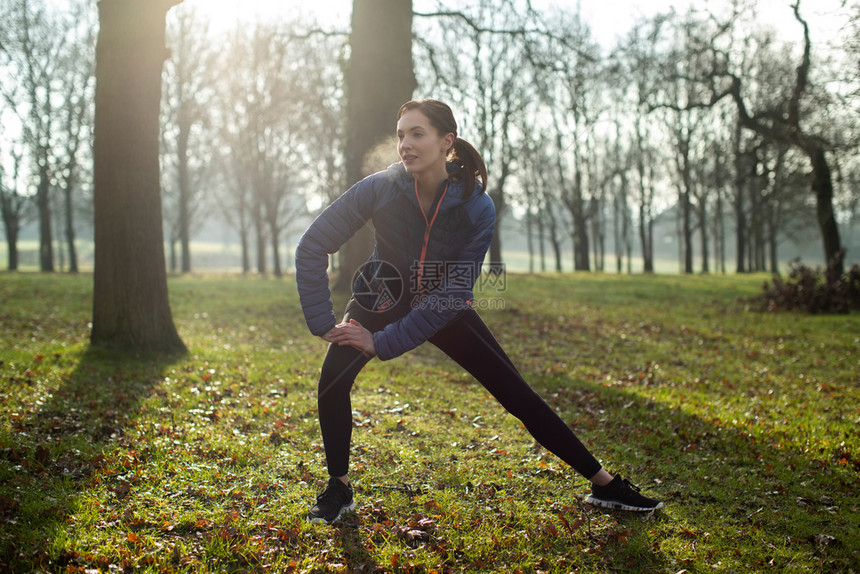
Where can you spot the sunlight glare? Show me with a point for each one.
(225, 13)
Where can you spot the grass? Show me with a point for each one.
(744, 423)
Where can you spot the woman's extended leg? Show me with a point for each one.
(470, 343)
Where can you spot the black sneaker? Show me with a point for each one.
(332, 502)
(620, 494)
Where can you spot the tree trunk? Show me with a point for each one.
(496, 266)
(703, 235)
(379, 79)
(131, 308)
(687, 230)
(578, 214)
(11, 229)
(646, 220)
(554, 240)
(43, 203)
(618, 230)
(11, 253)
(626, 222)
(556, 250)
(742, 168)
(11, 206)
(719, 235)
(646, 237)
(276, 248)
(643, 239)
(646, 226)
(598, 234)
(260, 229)
(246, 250)
(685, 206)
(541, 245)
(649, 260)
(773, 245)
(581, 255)
(530, 243)
(744, 163)
(184, 214)
(70, 225)
(822, 186)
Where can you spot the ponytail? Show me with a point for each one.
(464, 154)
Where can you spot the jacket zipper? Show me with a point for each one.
(427, 229)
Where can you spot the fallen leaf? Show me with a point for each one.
(822, 541)
(43, 455)
(8, 504)
(619, 536)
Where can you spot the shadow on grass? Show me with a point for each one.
(757, 498)
(54, 452)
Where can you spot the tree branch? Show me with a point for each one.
(516, 32)
(471, 22)
(802, 80)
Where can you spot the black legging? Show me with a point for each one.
(470, 343)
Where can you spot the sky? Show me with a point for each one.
(607, 18)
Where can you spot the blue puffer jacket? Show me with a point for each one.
(456, 246)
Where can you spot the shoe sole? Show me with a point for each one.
(343, 509)
(615, 505)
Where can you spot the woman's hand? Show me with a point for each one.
(354, 335)
(328, 336)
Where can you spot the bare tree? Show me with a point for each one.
(784, 124)
(688, 124)
(74, 147)
(46, 55)
(232, 114)
(637, 59)
(13, 203)
(188, 87)
(324, 137)
(538, 178)
(720, 144)
(575, 110)
(31, 47)
(14, 200)
(619, 164)
(272, 102)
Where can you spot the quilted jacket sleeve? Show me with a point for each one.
(331, 229)
(438, 308)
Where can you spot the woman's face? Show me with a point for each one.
(420, 146)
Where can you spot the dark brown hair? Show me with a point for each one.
(462, 152)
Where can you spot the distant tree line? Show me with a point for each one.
(714, 118)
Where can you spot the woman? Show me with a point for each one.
(433, 225)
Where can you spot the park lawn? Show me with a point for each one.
(744, 423)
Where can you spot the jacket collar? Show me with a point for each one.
(405, 183)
